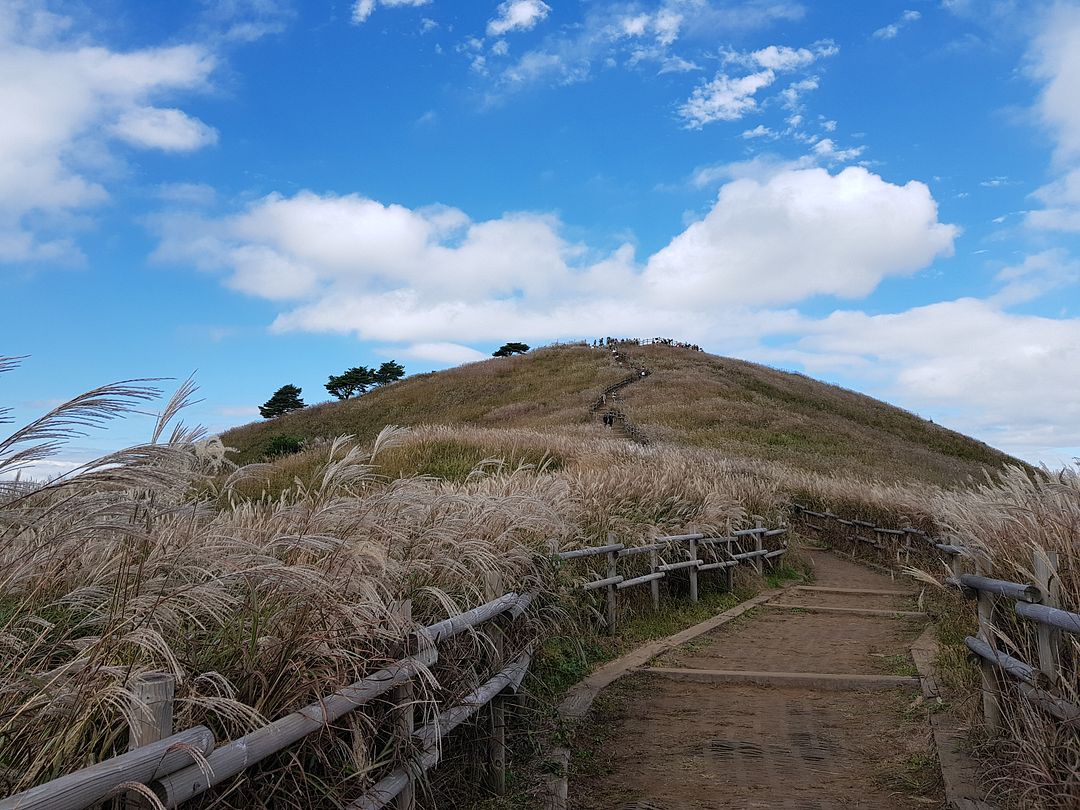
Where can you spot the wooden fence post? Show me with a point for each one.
(693, 572)
(1049, 638)
(152, 719)
(759, 545)
(654, 586)
(404, 699)
(991, 698)
(612, 591)
(496, 772)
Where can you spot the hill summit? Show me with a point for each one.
(666, 393)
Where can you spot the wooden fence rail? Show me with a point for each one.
(687, 546)
(170, 769)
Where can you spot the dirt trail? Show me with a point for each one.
(676, 745)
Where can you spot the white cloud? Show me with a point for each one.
(1055, 58)
(793, 93)
(801, 233)
(1036, 276)
(65, 101)
(517, 15)
(781, 57)
(362, 9)
(891, 30)
(443, 353)
(613, 34)
(433, 275)
(728, 98)
(1007, 378)
(760, 131)
(724, 98)
(167, 129)
(826, 151)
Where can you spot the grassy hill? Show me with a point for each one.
(690, 398)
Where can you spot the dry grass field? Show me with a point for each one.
(264, 585)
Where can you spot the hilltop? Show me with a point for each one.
(689, 398)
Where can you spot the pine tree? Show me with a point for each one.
(351, 383)
(508, 349)
(389, 372)
(285, 399)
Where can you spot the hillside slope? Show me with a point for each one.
(690, 398)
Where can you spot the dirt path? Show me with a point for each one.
(669, 744)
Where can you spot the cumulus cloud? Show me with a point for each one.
(66, 100)
(433, 275)
(517, 15)
(891, 30)
(798, 234)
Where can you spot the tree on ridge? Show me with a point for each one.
(285, 399)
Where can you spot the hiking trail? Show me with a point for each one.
(800, 704)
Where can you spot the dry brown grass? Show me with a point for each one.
(692, 398)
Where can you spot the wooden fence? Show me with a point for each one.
(693, 554)
(1034, 602)
(178, 767)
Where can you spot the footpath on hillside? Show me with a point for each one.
(737, 718)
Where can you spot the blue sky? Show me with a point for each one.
(883, 195)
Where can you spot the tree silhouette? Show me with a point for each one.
(389, 372)
(285, 399)
(356, 381)
(508, 349)
(351, 383)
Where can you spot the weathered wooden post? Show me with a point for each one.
(1049, 638)
(654, 585)
(612, 591)
(152, 719)
(496, 773)
(759, 545)
(693, 572)
(991, 699)
(729, 571)
(404, 699)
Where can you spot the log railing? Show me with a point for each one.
(686, 555)
(184, 765)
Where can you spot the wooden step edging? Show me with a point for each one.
(959, 773)
(856, 591)
(896, 614)
(805, 680)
